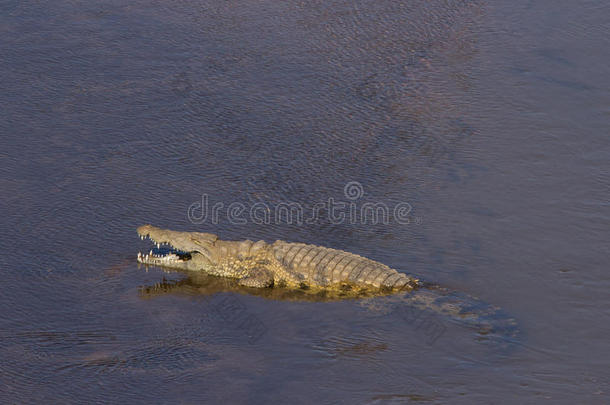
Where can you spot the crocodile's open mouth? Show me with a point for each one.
(162, 254)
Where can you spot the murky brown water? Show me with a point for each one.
(487, 122)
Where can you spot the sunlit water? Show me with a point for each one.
(487, 121)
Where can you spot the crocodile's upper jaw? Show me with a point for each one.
(180, 250)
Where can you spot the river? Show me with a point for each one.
(474, 133)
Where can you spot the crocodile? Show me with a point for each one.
(262, 265)
(304, 272)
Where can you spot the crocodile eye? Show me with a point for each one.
(203, 251)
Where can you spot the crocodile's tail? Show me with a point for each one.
(471, 311)
(432, 307)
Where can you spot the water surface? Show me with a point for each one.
(489, 120)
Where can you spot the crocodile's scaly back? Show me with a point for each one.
(321, 266)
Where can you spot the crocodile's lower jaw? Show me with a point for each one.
(159, 260)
